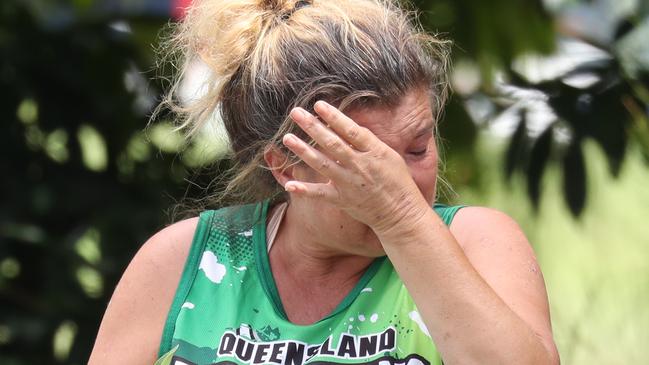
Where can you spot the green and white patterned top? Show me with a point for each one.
(227, 309)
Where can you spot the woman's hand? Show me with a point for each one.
(367, 179)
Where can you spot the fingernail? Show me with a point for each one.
(289, 188)
(322, 104)
(289, 138)
(298, 112)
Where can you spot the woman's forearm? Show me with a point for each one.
(467, 320)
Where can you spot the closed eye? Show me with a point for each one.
(419, 152)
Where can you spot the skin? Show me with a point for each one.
(363, 192)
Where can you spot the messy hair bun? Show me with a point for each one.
(268, 56)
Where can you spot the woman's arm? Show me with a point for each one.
(477, 287)
(132, 326)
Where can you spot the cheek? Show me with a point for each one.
(424, 173)
(425, 180)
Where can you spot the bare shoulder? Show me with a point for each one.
(132, 326)
(171, 244)
(494, 242)
(489, 236)
(474, 221)
(497, 247)
(501, 253)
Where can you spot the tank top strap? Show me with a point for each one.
(446, 212)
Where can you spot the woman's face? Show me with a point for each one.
(408, 129)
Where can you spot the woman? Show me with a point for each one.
(331, 108)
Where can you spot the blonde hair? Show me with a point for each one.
(269, 56)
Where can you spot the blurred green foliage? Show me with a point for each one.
(604, 97)
(81, 187)
(84, 183)
(596, 268)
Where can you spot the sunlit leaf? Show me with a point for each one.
(87, 246)
(27, 111)
(63, 340)
(5, 334)
(9, 268)
(56, 145)
(166, 358)
(138, 149)
(22, 232)
(633, 49)
(91, 281)
(93, 148)
(166, 138)
(205, 150)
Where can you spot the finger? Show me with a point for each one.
(312, 190)
(314, 158)
(359, 137)
(330, 143)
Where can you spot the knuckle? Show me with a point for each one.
(333, 144)
(309, 125)
(324, 164)
(380, 154)
(383, 154)
(353, 132)
(367, 174)
(335, 117)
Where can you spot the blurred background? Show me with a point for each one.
(549, 122)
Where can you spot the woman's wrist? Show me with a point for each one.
(412, 220)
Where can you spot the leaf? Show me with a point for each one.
(608, 125)
(516, 152)
(623, 28)
(574, 179)
(598, 112)
(538, 160)
(166, 358)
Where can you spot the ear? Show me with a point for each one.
(277, 162)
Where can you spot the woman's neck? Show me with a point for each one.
(308, 271)
(310, 252)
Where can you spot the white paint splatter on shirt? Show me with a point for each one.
(246, 233)
(414, 315)
(211, 267)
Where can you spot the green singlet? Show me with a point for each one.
(227, 309)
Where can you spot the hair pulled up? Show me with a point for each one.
(268, 56)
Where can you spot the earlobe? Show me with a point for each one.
(277, 163)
